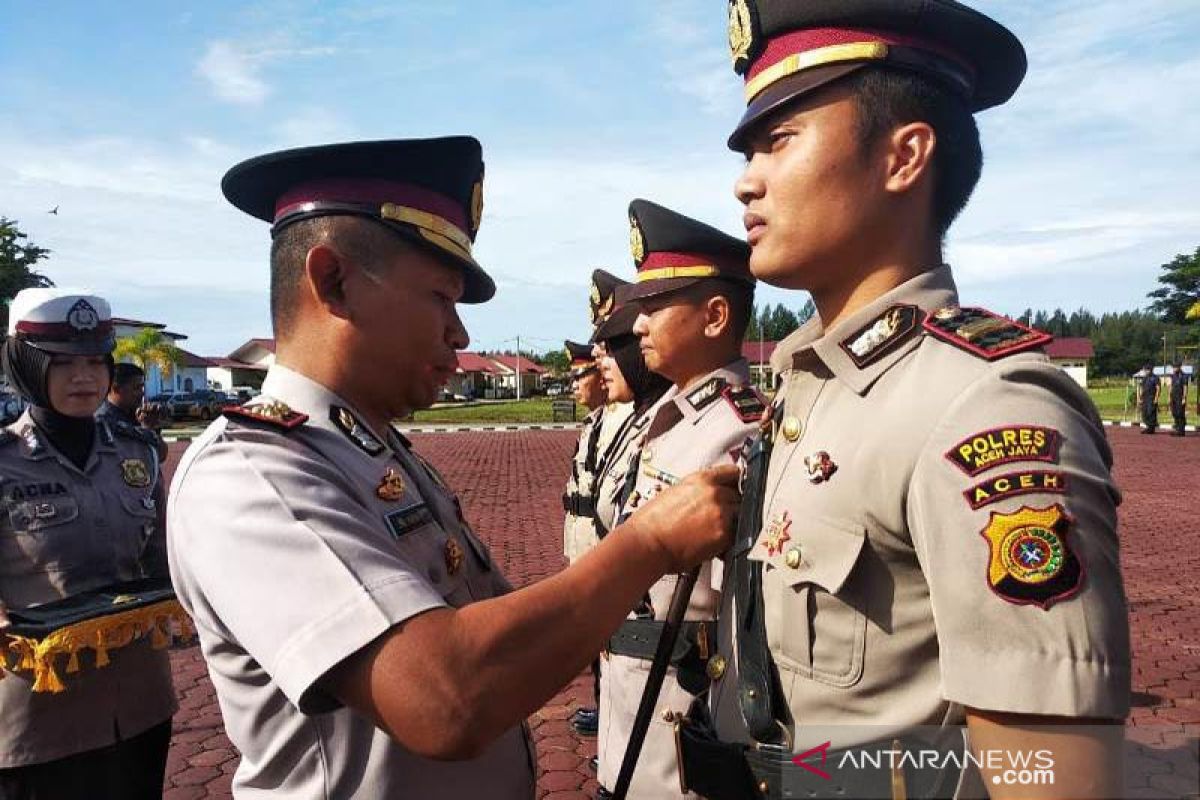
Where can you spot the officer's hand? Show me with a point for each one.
(694, 520)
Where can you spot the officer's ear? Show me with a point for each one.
(325, 272)
(910, 150)
(718, 316)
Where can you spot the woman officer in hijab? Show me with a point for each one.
(80, 509)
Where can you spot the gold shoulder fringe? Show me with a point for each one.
(164, 622)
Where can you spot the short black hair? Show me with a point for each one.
(357, 238)
(888, 98)
(124, 374)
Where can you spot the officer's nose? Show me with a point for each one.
(641, 325)
(750, 186)
(456, 333)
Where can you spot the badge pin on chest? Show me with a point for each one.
(391, 486)
(777, 533)
(454, 556)
(820, 467)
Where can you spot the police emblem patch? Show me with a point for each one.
(1030, 561)
(355, 431)
(391, 486)
(637, 242)
(135, 473)
(987, 449)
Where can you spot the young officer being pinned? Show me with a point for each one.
(81, 511)
(694, 294)
(937, 543)
(359, 634)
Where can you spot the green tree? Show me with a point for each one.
(1180, 288)
(557, 361)
(149, 347)
(18, 256)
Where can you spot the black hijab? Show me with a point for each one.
(28, 370)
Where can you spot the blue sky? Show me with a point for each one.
(127, 121)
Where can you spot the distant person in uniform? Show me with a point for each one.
(81, 511)
(124, 406)
(1179, 393)
(690, 328)
(579, 505)
(631, 390)
(929, 544)
(360, 636)
(1148, 390)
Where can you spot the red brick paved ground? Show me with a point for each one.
(510, 484)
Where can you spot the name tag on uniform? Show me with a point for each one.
(404, 520)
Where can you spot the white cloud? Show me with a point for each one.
(233, 74)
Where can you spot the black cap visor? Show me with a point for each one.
(784, 91)
(619, 323)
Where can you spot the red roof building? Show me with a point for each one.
(1074, 348)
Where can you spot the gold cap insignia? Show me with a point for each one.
(391, 486)
(135, 473)
(476, 205)
(741, 34)
(637, 242)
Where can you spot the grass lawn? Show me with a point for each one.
(1110, 399)
(536, 410)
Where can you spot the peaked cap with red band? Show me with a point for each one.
(787, 48)
(430, 191)
(610, 318)
(62, 321)
(672, 251)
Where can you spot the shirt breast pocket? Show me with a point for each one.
(41, 534)
(140, 522)
(435, 555)
(816, 612)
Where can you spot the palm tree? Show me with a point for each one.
(149, 347)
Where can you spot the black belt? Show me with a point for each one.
(579, 505)
(638, 638)
(726, 771)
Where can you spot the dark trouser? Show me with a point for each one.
(1150, 416)
(1179, 412)
(129, 770)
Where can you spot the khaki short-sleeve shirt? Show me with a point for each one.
(701, 426)
(939, 531)
(579, 530)
(294, 548)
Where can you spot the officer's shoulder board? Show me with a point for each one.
(746, 402)
(983, 333)
(274, 413)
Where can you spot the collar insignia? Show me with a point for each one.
(355, 431)
(870, 343)
(705, 393)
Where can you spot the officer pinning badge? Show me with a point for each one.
(983, 333)
(991, 448)
(1015, 483)
(820, 467)
(391, 486)
(355, 431)
(790, 428)
(881, 335)
(637, 241)
(135, 473)
(777, 533)
(1030, 561)
(454, 556)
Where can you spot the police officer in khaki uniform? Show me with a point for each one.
(937, 542)
(579, 526)
(360, 637)
(80, 511)
(694, 293)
